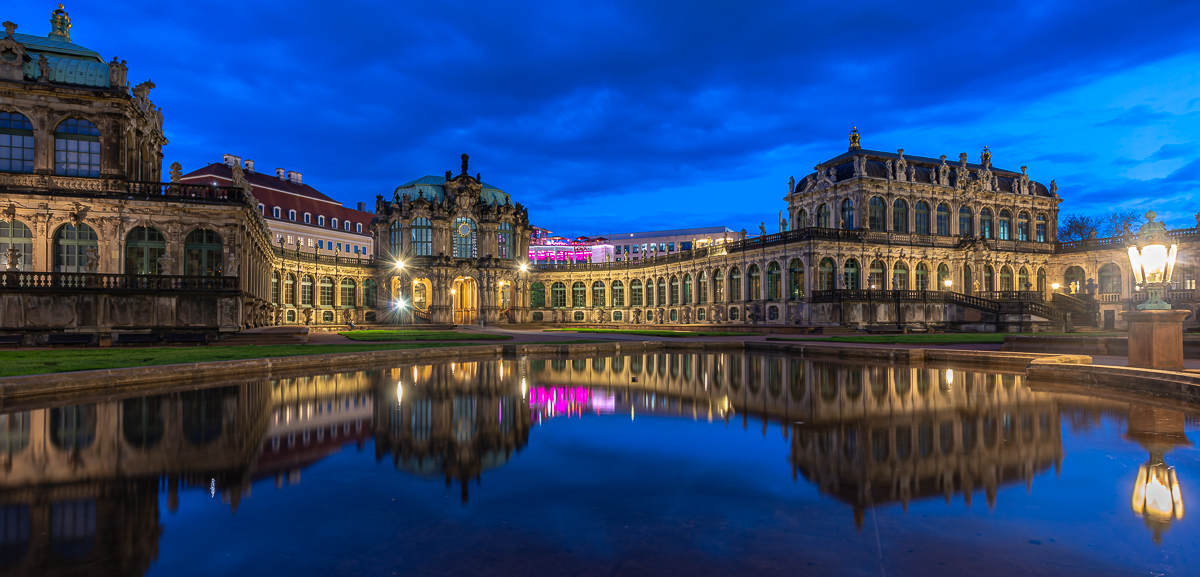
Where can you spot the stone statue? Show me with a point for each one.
(117, 72)
(1053, 188)
(92, 259)
(854, 136)
(782, 222)
(142, 91)
(888, 167)
(165, 262)
(9, 28)
(464, 163)
(943, 172)
(44, 68)
(14, 258)
(762, 228)
(792, 185)
(308, 316)
(901, 167)
(860, 166)
(347, 316)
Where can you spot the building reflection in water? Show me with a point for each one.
(80, 484)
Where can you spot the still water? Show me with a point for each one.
(687, 464)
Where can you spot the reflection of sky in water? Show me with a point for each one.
(607, 493)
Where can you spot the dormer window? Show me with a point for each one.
(347, 226)
(335, 222)
(321, 220)
(275, 212)
(262, 210)
(358, 227)
(307, 218)
(292, 215)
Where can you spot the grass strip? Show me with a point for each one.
(654, 333)
(17, 363)
(920, 339)
(379, 335)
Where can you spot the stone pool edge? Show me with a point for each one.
(1075, 369)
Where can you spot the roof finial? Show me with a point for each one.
(9, 27)
(464, 163)
(854, 139)
(985, 157)
(60, 23)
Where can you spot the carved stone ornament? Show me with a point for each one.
(43, 69)
(177, 172)
(117, 72)
(12, 56)
(13, 256)
(9, 213)
(92, 259)
(78, 215)
(165, 262)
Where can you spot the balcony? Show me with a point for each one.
(118, 188)
(94, 282)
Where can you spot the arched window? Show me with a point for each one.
(396, 238)
(292, 215)
(989, 278)
(326, 292)
(674, 290)
(795, 279)
(274, 287)
(649, 293)
(943, 220)
(823, 216)
(370, 293)
(464, 238)
(333, 222)
(922, 276)
(801, 219)
(966, 222)
(635, 293)
(825, 275)
(774, 281)
(348, 293)
(73, 428)
(687, 289)
(71, 247)
(598, 294)
(421, 236)
(142, 422)
(900, 216)
(1073, 280)
(875, 278)
(420, 296)
(506, 241)
(16, 143)
(537, 295)
(718, 286)
(847, 214)
(968, 286)
(143, 246)
(1110, 279)
(735, 284)
(77, 148)
(1004, 226)
(618, 294)
(985, 224)
(1041, 280)
(850, 273)
(1041, 228)
(578, 295)
(306, 291)
(877, 214)
(1023, 226)
(289, 289)
(900, 276)
(1023, 280)
(922, 217)
(662, 291)
(1006, 278)
(754, 283)
(702, 288)
(943, 275)
(203, 253)
(16, 234)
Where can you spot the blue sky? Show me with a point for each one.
(643, 115)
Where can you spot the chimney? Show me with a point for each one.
(362, 207)
(249, 166)
(232, 161)
(293, 176)
(281, 173)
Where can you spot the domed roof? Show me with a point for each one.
(69, 63)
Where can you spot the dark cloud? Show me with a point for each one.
(648, 113)
(1171, 151)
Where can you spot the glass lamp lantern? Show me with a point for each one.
(1156, 495)
(1153, 261)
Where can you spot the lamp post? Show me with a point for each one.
(1155, 331)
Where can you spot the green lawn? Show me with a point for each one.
(421, 336)
(14, 363)
(915, 339)
(653, 333)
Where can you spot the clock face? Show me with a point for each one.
(464, 229)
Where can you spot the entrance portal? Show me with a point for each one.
(464, 300)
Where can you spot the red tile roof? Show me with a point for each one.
(272, 192)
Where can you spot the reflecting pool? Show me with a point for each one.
(659, 464)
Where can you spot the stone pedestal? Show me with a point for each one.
(1155, 339)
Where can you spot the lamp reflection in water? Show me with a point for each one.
(1157, 497)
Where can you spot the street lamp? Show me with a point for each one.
(399, 265)
(949, 283)
(1054, 286)
(1153, 262)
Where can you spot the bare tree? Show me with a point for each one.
(1114, 223)
(1078, 227)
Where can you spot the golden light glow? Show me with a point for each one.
(949, 376)
(524, 267)
(399, 393)
(949, 283)
(1156, 493)
(1054, 286)
(399, 264)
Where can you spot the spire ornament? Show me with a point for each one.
(464, 162)
(60, 24)
(985, 157)
(854, 136)
(9, 28)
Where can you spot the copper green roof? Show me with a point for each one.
(431, 188)
(69, 63)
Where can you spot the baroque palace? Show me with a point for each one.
(96, 244)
